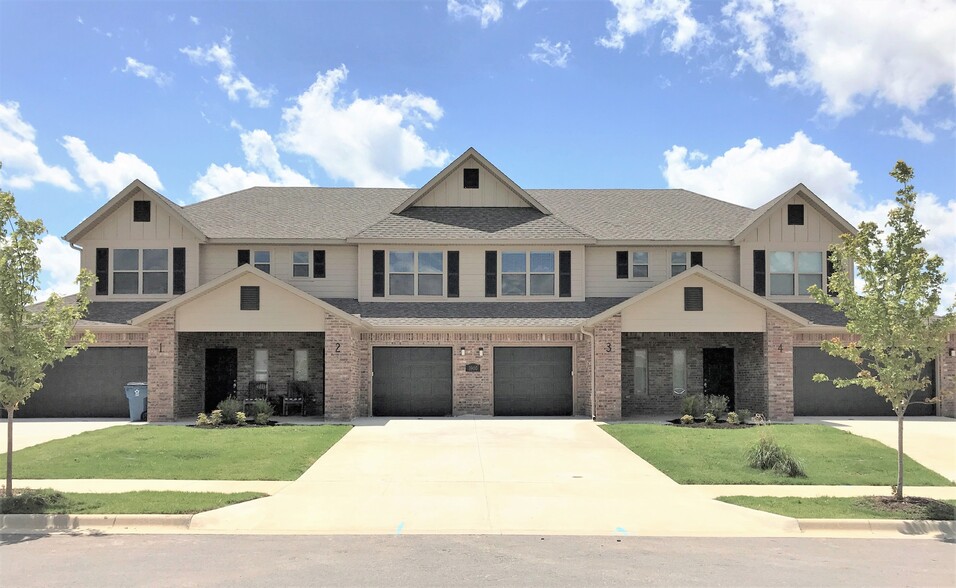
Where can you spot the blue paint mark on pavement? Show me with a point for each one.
(401, 527)
(621, 530)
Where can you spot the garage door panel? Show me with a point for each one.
(89, 385)
(824, 399)
(411, 381)
(533, 381)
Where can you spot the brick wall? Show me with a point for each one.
(161, 369)
(779, 352)
(342, 370)
(947, 380)
(607, 369)
(113, 338)
(750, 380)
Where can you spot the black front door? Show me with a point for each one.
(221, 367)
(719, 373)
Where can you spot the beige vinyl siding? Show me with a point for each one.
(340, 266)
(472, 272)
(491, 192)
(774, 234)
(724, 311)
(279, 310)
(601, 268)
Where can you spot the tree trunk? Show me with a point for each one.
(9, 489)
(899, 457)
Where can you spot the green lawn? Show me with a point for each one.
(51, 502)
(718, 456)
(829, 507)
(179, 453)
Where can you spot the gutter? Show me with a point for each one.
(593, 395)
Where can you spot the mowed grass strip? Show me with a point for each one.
(144, 452)
(719, 456)
(830, 507)
(144, 502)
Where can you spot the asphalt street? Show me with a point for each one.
(469, 560)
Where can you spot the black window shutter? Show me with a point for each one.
(378, 273)
(318, 263)
(491, 274)
(452, 274)
(622, 272)
(243, 258)
(179, 270)
(760, 272)
(696, 258)
(564, 274)
(829, 273)
(102, 271)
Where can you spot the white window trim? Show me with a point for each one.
(631, 265)
(140, 272)
(415, 273)
(527, 275)
(272, 259)
(795, 274)
(307, 264)
(671, 264)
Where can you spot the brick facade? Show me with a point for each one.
(779, 353)
(161, 357)
(342, 370)
(750, 369)
(607, 369)
(947, 380)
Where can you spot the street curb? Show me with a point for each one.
(45, 523)
(903, 527)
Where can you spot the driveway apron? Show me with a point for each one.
(483, 475)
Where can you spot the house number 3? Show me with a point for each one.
(607, 347)
(338, 347)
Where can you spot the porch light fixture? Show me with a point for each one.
(462, 350)
(952, 352)
(481, 351)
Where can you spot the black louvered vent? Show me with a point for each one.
(794, 214)
(693, 299)
(141, 211)
(179, 270)
(491, 274)
(760, 272)
(452, 274)
(248, 297)
(102, 271)
(378, 273)
(471, 178)
(564, 274)
(622, 272)
(318, 263)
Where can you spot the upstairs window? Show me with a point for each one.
(430, 273)
(155, 271)
(514, 274)
(792, 273)
(542, 273)
(416, 272)
(678, 262)
(471, 178)
(524, 273)
(132, 267)
(639, 265)
(141, 211)
(126, 271)
(263, 261)
(300, 264)
(401, 273)
(794, 214)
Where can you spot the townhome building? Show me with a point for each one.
(468, 296)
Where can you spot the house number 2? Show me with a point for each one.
(338, 347)
(607, 347)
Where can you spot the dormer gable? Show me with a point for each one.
(797, 215)
(474, 182)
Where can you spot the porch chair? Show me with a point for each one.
(255, 391)
(297, 394)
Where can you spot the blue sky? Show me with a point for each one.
(736, 99)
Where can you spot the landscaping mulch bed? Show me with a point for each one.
(700, 424)
(913, 507)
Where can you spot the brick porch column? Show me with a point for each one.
(778, 351)
(161, 359)
(341, 370)
(947, 380)
(607, 369)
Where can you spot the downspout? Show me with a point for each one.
(593, 396)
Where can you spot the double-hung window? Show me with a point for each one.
(640, 264)
(263, 261)
(430, 273)
(678, 262)
(542, 273)
(524, 273)
(300, 264)
(401, 273)
(126, 271)
(132, 267)
(792, 273)
(416, 272)
(514, 273)
(155, 271)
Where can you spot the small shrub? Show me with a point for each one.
(229, 407)
(215, 418)
(240, 419)
(693, 405)
(202, 420)
(743, 414)
(709, 418)
(34, 502)
(262, 418)
(760, 420)
(687, 420)
(259, 408)
(716, 405)
(766, 454)
(732, 418)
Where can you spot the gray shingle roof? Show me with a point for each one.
(106, 313)
(478, 310)
(340, 213)
(424, 223)
(819, 314)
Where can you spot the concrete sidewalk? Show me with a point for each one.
(114, 486)
(511, 476)
(29, 432)
(929, 440)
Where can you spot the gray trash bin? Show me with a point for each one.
(136, 394)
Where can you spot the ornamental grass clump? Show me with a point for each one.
(766, 454)
(229, 407)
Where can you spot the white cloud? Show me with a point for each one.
(486, 11)
(910, 129)
(59, 267)
(194, 20)
(22, 165)
(753, 174)
(854, 51)
(230, 79)
(366, 141)
(637, 16)
(553, 54)
(266, 169)
(147, 72)
(519, 4)
(110, 176)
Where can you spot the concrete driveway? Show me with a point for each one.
(27, 432)
(929, 440)
(482, 475)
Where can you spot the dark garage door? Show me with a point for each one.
(411, 381)
(533, 381)
(88, 385)
(823, 399)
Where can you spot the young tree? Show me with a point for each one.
(892, 321)
(30, 340)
